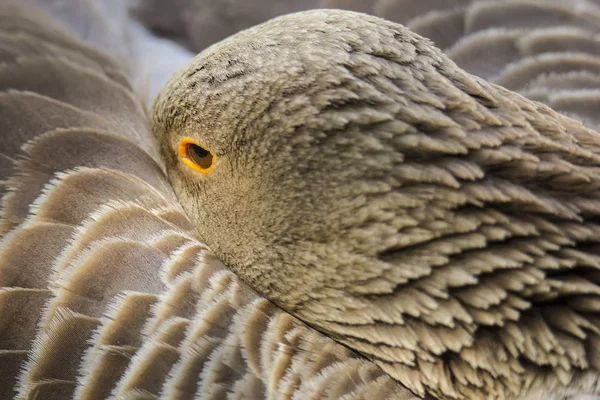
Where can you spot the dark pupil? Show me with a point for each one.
(199, 155)
(198, 151)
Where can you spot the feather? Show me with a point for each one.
(104, 287)
(425, 218)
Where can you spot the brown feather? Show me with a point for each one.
(105, 289)
(399, 189)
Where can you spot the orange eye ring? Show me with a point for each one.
(196, 156)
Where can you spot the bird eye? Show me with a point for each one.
(196, 156)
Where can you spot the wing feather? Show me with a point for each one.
(104, 288)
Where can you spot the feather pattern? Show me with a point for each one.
(124, 301)
(104, 288)
(465, 214)
(509, 42)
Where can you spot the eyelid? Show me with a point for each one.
(183, 155)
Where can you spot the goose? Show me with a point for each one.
(213, 247)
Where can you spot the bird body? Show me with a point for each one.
(442, 226)
(386, 225)
(105, 289)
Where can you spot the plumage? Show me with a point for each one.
(107, 289)
(425, 218)
(484, 37)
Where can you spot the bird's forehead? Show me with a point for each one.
(302, 36)
(270, 81)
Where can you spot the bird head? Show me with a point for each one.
(355, 176)
(279, 142)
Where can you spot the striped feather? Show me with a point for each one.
(104, 288)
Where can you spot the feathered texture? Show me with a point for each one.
(105, 289)
(442, 226)
(515, 43)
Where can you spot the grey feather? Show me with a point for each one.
(104, 287)
(498, 288)
(444, 28)
(429, 220)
